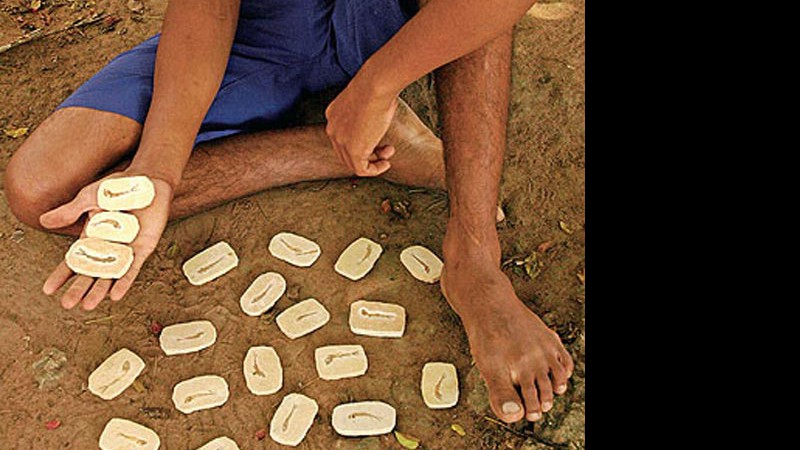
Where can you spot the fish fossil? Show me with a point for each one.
(126, 367)
(108, 259)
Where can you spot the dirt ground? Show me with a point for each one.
(46, 353)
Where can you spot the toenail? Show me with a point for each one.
(546, 406)
(533, 417)
(510, 408)
(561, 389)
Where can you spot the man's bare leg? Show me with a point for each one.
(75, 146)
(522, 361)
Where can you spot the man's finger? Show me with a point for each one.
(375, 168)
(122, 285)
(69, 213)
(96, 294)
(60, 275)
(76, 291)
(384, 152)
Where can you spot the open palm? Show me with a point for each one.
(91, 291)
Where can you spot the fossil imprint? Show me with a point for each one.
(293, 419)
(369, 418)
(97, 258)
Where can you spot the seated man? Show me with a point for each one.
(221, 70)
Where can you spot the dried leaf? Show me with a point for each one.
(15, 132)
(52, 424)
(36, 5)
(386, 206)
(406, 441)
(581, 277)
(544, 246)
(551, 11)
(172, 250)
(138, 386)
(458, 429)
(564, 227)
(135, 6)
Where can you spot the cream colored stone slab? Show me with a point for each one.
(363, 418)
(220, 443)
(439, 385)
(113, 226)
(358, 258)
(422, 263)
(115, 374)
(292, 419)
(125, 194)
(302, 318)
(262, 294)
(123, 434)
(335, 362)
(198, 393)
(187, 337)
(97, 258)
(211, 263)
(294, 249)
(263, 372)
(377, 319)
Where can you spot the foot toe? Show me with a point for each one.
(565, 360)
(504, 399)
(545, 391)
(533, 409)
(558, 377)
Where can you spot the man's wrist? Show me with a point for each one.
(162, 171)
(377, 81)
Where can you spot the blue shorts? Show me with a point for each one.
(282, 49)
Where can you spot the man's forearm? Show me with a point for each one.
(473, 103)
(190, 63)
(441, 32)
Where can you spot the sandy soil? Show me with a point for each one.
(46, 353)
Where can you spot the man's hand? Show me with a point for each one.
(357, 120)
(91, 291)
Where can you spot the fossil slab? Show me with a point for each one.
(294, 249)
(422, 263)
(302, 318)
(292, 419)
(439, 385)
(263, 372)
(377, 319)
(211, 263)
(126, 193)
(358, 258)
(335, 362)
(115, 374)
(113, 226)
(203, 392)
(187, 337)
(123, 434)
(262, 294)
(363, 418)
(220, 443)
(97, 258)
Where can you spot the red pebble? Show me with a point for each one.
(386, 206)
(261, 434)
(53, 424)
(156, 327)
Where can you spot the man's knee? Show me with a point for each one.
(27, 195)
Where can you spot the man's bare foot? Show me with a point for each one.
(419, 155)
(522, 361)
